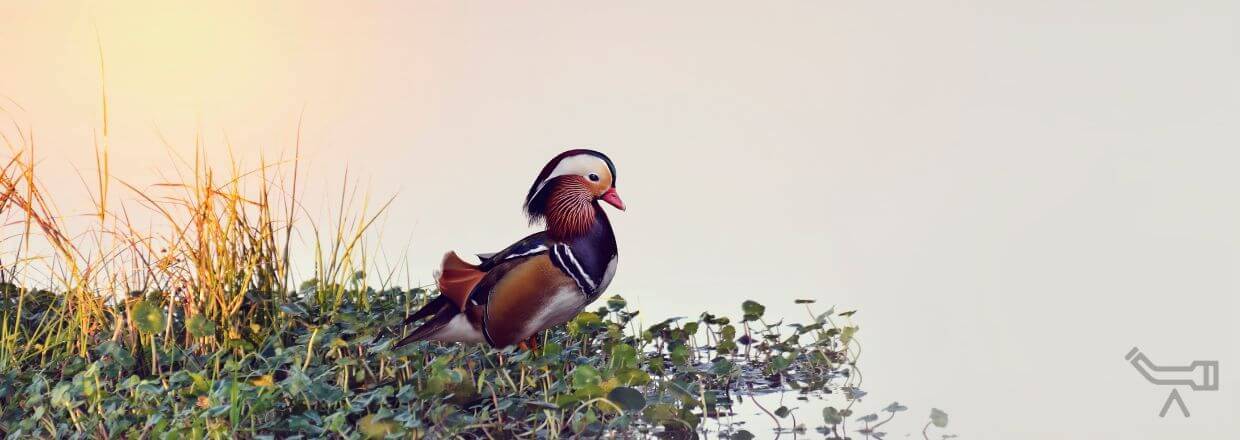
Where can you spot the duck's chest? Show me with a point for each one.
(590, 267)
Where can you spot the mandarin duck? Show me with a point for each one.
(541, 281)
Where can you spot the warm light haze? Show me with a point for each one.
(1012, 194)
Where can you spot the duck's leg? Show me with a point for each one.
(530, 344)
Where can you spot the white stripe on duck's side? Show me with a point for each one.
(523, 253)
(533, 251)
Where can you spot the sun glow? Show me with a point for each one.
(226, 75)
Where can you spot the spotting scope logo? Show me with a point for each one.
(1197, 376)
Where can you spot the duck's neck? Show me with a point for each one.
(572, 213)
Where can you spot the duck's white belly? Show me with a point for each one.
(459, 330)
(562, 305)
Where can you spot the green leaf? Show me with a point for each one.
(752, 310)
(148, 316)
(895, 407)
(846, 334)
(660, 413)
(616, 303)
(781, 363)
(200, 326)
(628, 398)
(632, 376)
(373, 427)
(552, 349)
(680, 355)
(938, 417)
(832, 416)
(691, 328)
(585, 376)
(294, 309)
(623, 356)
(583, 321)
(62, 395)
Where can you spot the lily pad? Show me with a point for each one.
(628, 398)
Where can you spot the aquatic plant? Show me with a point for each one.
(193, 328)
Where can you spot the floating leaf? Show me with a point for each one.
(628, 398)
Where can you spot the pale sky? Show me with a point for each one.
(1013, 194)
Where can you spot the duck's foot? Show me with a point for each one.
(530, 344)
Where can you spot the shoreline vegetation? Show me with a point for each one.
(194, 328)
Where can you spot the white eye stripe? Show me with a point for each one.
(579, 165)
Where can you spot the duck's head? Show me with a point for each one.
(568, 187)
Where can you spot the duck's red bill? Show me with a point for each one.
(613, 199)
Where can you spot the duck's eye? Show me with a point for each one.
(593, 177)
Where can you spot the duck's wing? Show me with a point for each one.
(531, 245)
(522, 296)
(457, 281)
(441, 311)
(456, 278)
